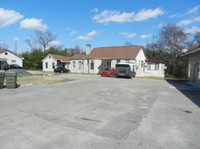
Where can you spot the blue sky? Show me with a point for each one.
(97, 22)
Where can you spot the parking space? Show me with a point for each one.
(95, 112)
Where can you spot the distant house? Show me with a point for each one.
(106, 58)
(8, 57)
(52, 60)
(193, 65)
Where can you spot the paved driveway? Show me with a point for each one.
(90, 112)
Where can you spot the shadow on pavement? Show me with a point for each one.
(191, 92)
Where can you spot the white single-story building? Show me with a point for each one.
(8, 57)
(51, 61)
(193, 65)
(107, 57)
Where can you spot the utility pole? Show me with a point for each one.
(16, 40)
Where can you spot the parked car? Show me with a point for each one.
(125, 70)
(12, 66)
(61, 69)
(108, 73)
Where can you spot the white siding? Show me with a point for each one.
(139, 62)
(97, 66)
(155, 73)
(81, 66)
(11, 58)
(194, 68)
(49, 60)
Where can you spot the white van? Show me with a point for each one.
(125, 70)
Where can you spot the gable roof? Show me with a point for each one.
(5, 50)
(121, 52)
(60, 57)
(79, 57)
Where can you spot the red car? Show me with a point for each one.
(108, 73)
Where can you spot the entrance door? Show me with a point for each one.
(109, 65)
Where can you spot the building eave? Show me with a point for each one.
(190, 53)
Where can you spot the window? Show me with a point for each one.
(148, 66)
(118, 61)
(142, 63)
(92, 65)
(53, 65)
(13, 61)
(152, 66)
(156, 66)
(6, 53)
(74, 64)
(46, 65)
(80, 64)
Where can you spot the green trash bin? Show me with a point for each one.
(2, 75)
(11, 80)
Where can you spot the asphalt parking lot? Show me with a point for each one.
(91, 112)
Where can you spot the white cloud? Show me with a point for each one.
(8, 17)
(33, 24)
(186, 22)
(55, 43)
(148, 14)
(194, 10)
(121, 17)
(128, 35)
(145, 36)
(95, 10)
(176, 15)
(162, 25)
(73, 33)
(192, 30)
(113, 16)
(88, 36)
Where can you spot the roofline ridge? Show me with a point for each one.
(119, 46)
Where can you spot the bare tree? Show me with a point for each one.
(3, 45)
(196, 41)
(128, 43)
(44, 38)
(31, 43)
(76, 50)
(172, 38)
